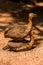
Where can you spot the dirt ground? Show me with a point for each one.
(30, 57)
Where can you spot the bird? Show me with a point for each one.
(20, 32)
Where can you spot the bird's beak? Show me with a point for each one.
(35, 15)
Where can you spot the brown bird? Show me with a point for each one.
(20, 32)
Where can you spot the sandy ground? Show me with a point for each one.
(30, 57)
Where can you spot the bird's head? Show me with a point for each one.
(31, 15)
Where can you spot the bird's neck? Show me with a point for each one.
(29, 25)
(30, 21)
